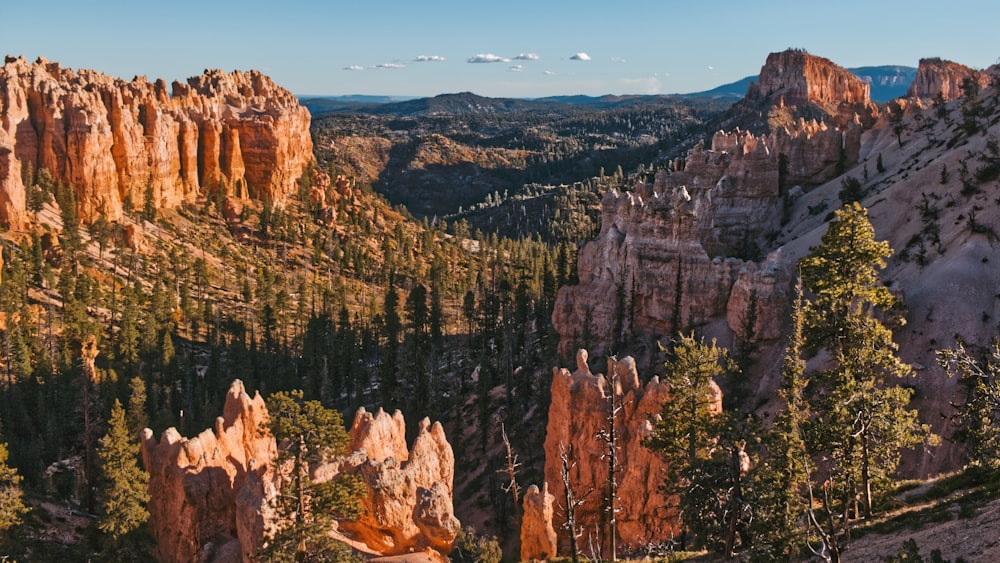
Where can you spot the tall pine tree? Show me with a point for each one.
(123, 492)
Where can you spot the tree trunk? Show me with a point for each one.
(866, 483)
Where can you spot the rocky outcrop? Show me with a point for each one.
(937, 76)
(577, 414)
(538, 537)
(211, 490)
(409, 503)
(117, 141)
(812, 84)
(210, 495)
(663, 259)
(813, 87)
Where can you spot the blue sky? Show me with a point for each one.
(541, 47)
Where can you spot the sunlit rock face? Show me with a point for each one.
(211, 495)
(116, 141)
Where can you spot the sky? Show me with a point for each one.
(509, 48)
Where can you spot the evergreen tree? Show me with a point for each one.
(418, 340)
(979, 417)
(780, 478)
(123, 494)
(307, 434)
(687, 436)
(136, 414)
(12, 505)
(861, 421)
(392, 326)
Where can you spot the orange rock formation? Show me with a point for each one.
(577, 414)
(115, 140)
(210, 495)
(211, 490)
(538, 537)
(796, 78)
(938, 76)
(669, 246)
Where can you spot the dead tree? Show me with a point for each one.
(609, 436)
(510, 469)
(572, 502)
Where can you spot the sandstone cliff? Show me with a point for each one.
(578, 412)
(211, 490)
(663, 260)
(209, 495)
(409, 504)
(116, 140)
(937, 76)
(812, 85)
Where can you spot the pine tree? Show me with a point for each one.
(123, 493)
(784, 473)
(392, 326)
(861, 421)
(307, 434)
(979, 418)
(12, 505)
(687, 436)
(136, 414)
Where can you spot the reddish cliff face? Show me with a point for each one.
(666, 245)
(577, 413)
(210, 496)
(938, 76)
(110, 139)
(796, 78)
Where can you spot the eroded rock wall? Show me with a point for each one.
(663, 260)
(577, 414)
(937, 76)
(212, 490)
(210, 496)
(115, 140)
(799, 79)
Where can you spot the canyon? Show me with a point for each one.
(709, 243)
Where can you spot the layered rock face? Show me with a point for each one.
(210, 496)
(937, 76)
(409, 504)
(796, 78)
(113, 140)
(577, 414)
(660, 262)
(210, 493)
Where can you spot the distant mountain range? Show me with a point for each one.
(467, 103)
(887, 83)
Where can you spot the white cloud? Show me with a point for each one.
(354, 67)
(618, 60)
(429, 58)
(580, 57)
(710, 67)
(488, 58)
(549, 73)
(390, 66)
(528, 57)
(516, 68)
